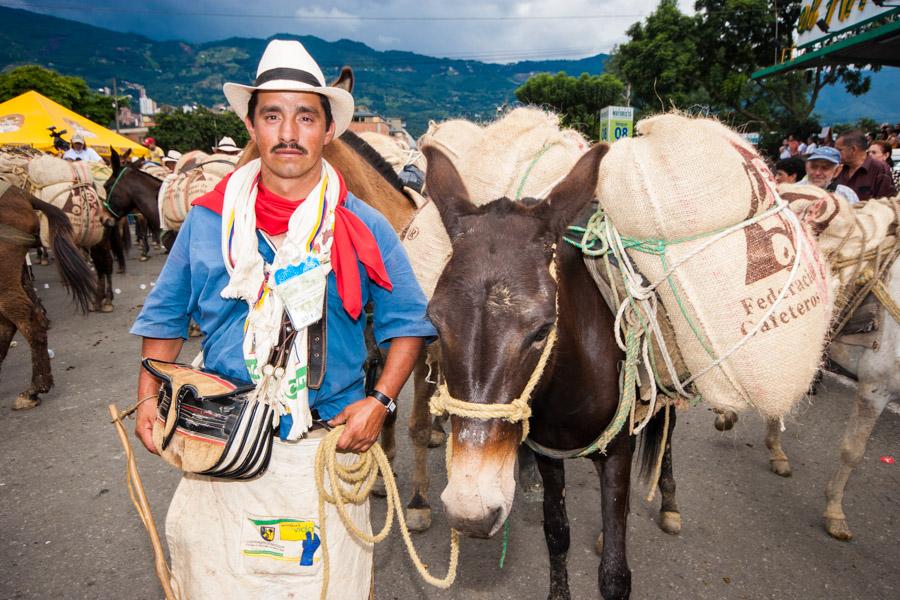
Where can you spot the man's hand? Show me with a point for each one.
(144, 416)
(363, 420)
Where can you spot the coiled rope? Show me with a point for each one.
(340, 484)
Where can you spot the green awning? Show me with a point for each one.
(879, 46)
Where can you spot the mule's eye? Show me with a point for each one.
(541, 334)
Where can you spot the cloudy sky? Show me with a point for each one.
(499, 31)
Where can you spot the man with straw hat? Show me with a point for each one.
(281, 237)
(171, 159)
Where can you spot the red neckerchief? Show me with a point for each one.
(352, 239)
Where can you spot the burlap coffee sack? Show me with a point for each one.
(14, 168)
(178, 191)
(155, 170)
(454, 138)
(522, 155)
(48, 170)
(393, 150)
(668, 192)
(426, 243)
(83, 207)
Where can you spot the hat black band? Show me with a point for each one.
(288, 74)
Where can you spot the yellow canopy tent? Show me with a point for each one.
(24, 121)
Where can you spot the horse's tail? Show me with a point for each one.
(117, 244)
(125, 233)
(76, 273)
(651, 442)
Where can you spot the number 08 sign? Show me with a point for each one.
(616, 122)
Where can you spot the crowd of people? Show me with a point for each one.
(855, 165)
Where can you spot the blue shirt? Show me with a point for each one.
(194, 275)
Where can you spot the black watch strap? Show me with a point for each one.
(386, 400)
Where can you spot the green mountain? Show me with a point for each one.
(415, 87)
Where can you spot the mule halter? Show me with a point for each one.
(110, 193)
(519, 410)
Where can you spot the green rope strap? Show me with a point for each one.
(530, 167)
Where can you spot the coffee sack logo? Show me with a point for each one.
(768, 250)
(267, 533)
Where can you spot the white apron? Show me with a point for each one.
(260, 538)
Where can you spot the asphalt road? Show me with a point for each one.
(69, 530)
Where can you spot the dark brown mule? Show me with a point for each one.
(128, 190)
(494, 306)
(20, 308)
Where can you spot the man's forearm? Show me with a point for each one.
(400, 362)
(160, 349)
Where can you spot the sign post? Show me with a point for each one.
(616, 122)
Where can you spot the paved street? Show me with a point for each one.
(69, 530)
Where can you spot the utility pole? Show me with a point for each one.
(116, 102)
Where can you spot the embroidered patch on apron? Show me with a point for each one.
(280, 545)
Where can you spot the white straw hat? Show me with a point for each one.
(226, 144)
(287, 66)
(172, 156)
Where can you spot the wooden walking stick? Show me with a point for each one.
(139, 499)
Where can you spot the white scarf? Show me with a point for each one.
(308, 242)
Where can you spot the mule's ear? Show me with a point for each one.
(573, 193)
(126, 155)
(251, 152)
(114, 160)
(447, 190)
(345, 79)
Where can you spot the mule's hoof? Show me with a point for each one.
(24, 402)
(838, 529)
(106, 308)
(43, 262)
(418, 519)
(92, 307)
(533, 493)
(437, 438)
(780, 467)
(143, 258)
(725, 421)
(670, 522)
(598, 545)
(378, 488)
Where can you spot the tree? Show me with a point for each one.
(708, 58)
(578, 100)
(71, 92)
(200, 129)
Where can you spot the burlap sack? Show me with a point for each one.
(523, 154)
(14, 169)
(393, 150)
(101, 173)
(426, 243)
(848, 234)
(82, 206)
(454, 138)
(178, 191)
(47, 170)
(670, 190)
(155, 170)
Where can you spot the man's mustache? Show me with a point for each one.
(289, 146)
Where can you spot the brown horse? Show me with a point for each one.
(20, 308)
(130, 189)
(495, 305)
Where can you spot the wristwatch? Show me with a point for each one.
(386, 400)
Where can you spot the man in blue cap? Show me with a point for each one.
(822, 167)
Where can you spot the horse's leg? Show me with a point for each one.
(418, 511)
(21, 311)
(43, 256)
(556, 524)
(778, 460)
(867, 407)
(725, 419)
(529, 480)
(142, 230)
(669, 515)
(614, 469)
(103, 263)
